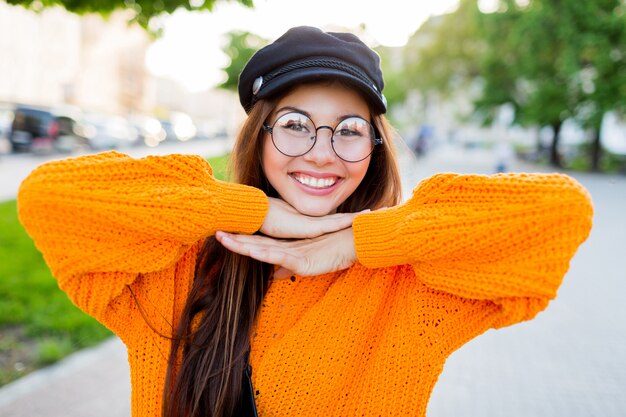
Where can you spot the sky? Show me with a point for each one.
(190, 51)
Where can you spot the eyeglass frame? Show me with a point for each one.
(375, 140)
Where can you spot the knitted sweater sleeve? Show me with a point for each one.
(113, 214)
(505, 239)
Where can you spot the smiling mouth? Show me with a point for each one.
(319, 183)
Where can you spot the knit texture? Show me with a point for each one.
(464, 254)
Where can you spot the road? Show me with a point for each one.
(569, 361)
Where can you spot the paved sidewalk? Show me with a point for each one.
(569, 361)
(91, 383)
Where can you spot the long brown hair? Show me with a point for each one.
(205, 370)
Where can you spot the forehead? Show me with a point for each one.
(325, 101)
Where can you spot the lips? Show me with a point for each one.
(315, 182)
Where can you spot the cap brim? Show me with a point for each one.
(291, 79)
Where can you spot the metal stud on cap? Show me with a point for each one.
(256, 86)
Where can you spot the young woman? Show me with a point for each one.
(306, 269)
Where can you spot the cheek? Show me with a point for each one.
(358, 170)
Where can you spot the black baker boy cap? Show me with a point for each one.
(306, 54)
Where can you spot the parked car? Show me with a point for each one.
(178, 127)
(108, 132)
(150, 131)
(6, 118)
(37, 128)
(168, 128)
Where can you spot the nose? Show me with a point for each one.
(322, 152)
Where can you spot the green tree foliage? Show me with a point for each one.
(240, 47)
(602, 52)
(555, 60)
(529, 65)
(396, 82)
(552, 60)
(142, 10)
(444, 54)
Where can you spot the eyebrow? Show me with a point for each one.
(288, 109)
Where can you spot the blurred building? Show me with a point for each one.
(58, 58)
(216, 111)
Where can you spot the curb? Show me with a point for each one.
(81, 359)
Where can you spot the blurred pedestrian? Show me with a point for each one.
(304, 287)
(503, 154)
(423, 141)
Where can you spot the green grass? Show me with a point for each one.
(220, 166)
(38, 323)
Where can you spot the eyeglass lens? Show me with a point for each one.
(294, 134)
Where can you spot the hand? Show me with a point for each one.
(284, 221)
(320, 255)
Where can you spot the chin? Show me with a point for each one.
(314, 210)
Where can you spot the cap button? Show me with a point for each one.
(256, 86)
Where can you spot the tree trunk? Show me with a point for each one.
(596, 150)
(540, 148)
(555, 159)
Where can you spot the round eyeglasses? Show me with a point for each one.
(295, 134)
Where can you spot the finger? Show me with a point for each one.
(280, 257)
(329, 224)
(341, 218)
(269, 243)
(254, 239)
(264, 250)
(229, 243)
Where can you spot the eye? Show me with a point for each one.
(353, 127)
(344, 131)
(295, 126)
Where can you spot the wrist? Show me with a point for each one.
(377, 240)
(242, 209)
(347, 246)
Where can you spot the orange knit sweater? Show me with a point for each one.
(464, 254)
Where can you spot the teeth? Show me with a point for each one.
(315, 182)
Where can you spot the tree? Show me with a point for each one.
(555, 60)
(552, 60)
(396, 83)
(530, 65)
(602, 44)
(142, 10)
(444, 53)
(239, 48)
(442, 58)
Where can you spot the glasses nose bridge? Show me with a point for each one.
(332, 130)
(324, 148)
